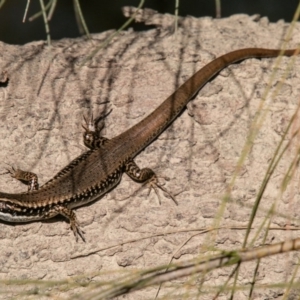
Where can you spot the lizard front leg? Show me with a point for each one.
(146, 176)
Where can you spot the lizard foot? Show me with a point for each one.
(91, 124)
(70, 215)
(154, 184)
(92, 137)
(78, 232)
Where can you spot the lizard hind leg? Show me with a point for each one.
(74, 224)
(92, 137)
(26, 177)
(147, 177)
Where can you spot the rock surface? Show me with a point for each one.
(42, 104)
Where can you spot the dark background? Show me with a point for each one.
(104, 15)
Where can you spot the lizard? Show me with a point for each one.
(98, 170)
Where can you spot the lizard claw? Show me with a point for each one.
(78, 232)
(154, 184)
(11, 171)
(89, 124)
(74, 224)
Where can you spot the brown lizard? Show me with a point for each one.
(97, 171)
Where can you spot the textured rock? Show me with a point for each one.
(40, 128)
